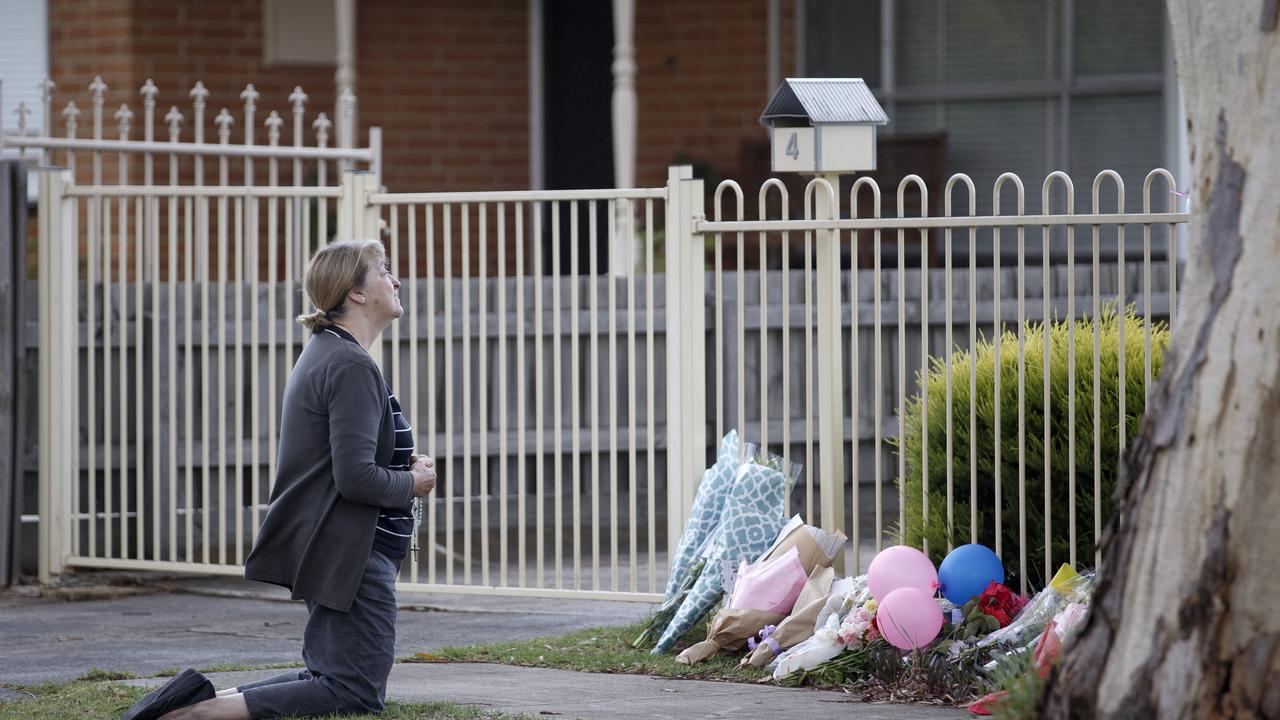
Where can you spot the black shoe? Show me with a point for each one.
(186, 688)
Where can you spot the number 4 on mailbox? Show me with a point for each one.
(793, 147)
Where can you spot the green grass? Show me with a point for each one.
(600, 650)
(228, 667)
(93, 696)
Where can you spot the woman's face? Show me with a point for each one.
(382, 288)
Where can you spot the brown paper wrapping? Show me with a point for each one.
(799, 625)
(811, 555)
(729, 630)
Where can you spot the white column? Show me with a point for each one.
(344, 78)
(622, 250)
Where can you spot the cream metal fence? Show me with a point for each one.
(898, 334)
(163, 413)
(571, 410)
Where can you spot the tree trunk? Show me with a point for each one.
(1186, 618)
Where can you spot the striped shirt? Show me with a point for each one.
(395, 525)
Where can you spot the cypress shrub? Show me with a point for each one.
(936, 530)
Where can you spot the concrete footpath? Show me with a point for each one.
(202, 622)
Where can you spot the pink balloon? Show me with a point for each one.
(898, 567)
(909, 618)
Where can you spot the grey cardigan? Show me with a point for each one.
(336, 435)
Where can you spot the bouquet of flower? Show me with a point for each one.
(995, 608)
(859, 626)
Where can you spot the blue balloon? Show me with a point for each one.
(966, 572)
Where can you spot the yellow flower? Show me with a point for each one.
(871, 605)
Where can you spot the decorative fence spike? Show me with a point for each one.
(22, 111)
(71, 113)
(148, 91)
(198, 93)
(322, 126)
(273, 123)
(174, 118)
(299, 100)
(224, 121)
(123, 117)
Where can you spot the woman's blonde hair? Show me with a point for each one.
(334, 271)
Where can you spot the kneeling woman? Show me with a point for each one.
(339, 523)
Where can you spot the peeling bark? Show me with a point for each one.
(1186, 617)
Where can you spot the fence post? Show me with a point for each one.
(358, 219)
(686, 348)
(13, 325)
(830, 342)
(58, 382)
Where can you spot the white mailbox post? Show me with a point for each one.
(825, 127)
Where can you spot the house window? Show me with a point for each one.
(298, 32)
(1028, 86)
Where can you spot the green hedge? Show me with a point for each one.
(916, 530)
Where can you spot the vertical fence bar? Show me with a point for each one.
(241, 280)
(522, 424)
(427, 447)
(140, 221)
(593, 288)
(503, 406)
(224, 122)
(1096, 372)
(575, 375)
(633, 397)
(464, 278)
(651, 406)
(173, 118)
(432, 343)
(122, 269)
(830, 368)
(539, 397)
(188, 409)
(273, 124)
(483, 363)
(556, 274)
(450, 428)
(151, 245)
(877, 373)
(901, 302)
(613, 518)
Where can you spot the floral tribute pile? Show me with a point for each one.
(905, 630)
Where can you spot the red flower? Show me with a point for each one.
(1000, 603)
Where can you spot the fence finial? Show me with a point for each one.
(198, 93)
(174, 118)
(123, 116)
(299, 100)
(71, 113)
(224, 121)
(250, 97)
(148, 91)
(98, 88)
(22, 111)
(322, 126)
(273, 123)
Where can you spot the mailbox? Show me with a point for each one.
(823, 125)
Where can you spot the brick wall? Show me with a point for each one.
(447, 81)
(702, 83)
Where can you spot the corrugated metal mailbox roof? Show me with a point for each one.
(824, 100)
